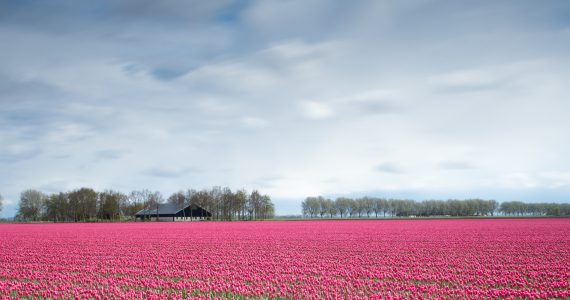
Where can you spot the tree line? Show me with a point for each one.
(86, 204)
(518, 208)
(344, 207)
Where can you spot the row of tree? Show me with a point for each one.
(371, 206)
(86, 204)
(517, 208)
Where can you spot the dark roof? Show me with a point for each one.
(163, 209)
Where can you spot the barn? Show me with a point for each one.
(173, 212)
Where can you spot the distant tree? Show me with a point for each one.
(305, 207)
(179, 200)
(32, 205)
(330, 208)
(57, 207)
(453, 207)
(267, 208)
(1, 200)
(202, 198)
(367, 205)
(227, 200)
(384, 205)
(82, 204)
(216, 202)
(352, 207)
(87, 204)
(400, 207)
(342, 206)
(513, 208)
(259, 206)
(321, 206)
(397, 207)
(190, 195)
(110, 205)
(133, 203)
(154, 201)
(252, 203)
(314, 206)
(142, 199)
(240, 202)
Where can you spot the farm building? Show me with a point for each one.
(173, 212)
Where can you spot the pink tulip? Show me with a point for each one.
(419, 259)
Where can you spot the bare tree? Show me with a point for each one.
(343, 205)
(31, 205)
(110, 203)
(57, 207)
(253, 203)
(179, 199)
(241, 200)
(82, 204)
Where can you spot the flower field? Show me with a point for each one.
(510, 258)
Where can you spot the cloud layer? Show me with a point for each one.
(419, 99)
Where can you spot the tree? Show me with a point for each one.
(57, 207)
(493, 207)
(215, 200)
(253, 205)
(330, 207)
(202, 199)
(227, 199)
(312, 206)
(267, 209)
(178, 199)
(367, 205)
(83, 204)
(1, 200)
(140, 200)
(110, 203)
(241, 200)
(31, 205)
(353, 207)
(342, 205)
(384, 205)
(322, 206)
(154, 201)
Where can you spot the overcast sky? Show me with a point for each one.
(419, 99)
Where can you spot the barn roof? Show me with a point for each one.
(163, 209)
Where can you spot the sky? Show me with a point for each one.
(419, 99)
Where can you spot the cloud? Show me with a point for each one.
(388, 168)
(15, 153)
(266, 181)
(167, 73)
(108, 154)
(316, 110)
(254, 122)
(121, 95)
(171, 172)
(456, 165)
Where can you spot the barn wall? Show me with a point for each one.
(187, 219)
(177, 219)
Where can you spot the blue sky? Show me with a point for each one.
(419, 99)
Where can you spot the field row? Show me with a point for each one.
(292, 260)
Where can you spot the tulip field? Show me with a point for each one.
(370, 259)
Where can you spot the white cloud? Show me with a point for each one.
(316, 110)
(409, 98)
(254, 122)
